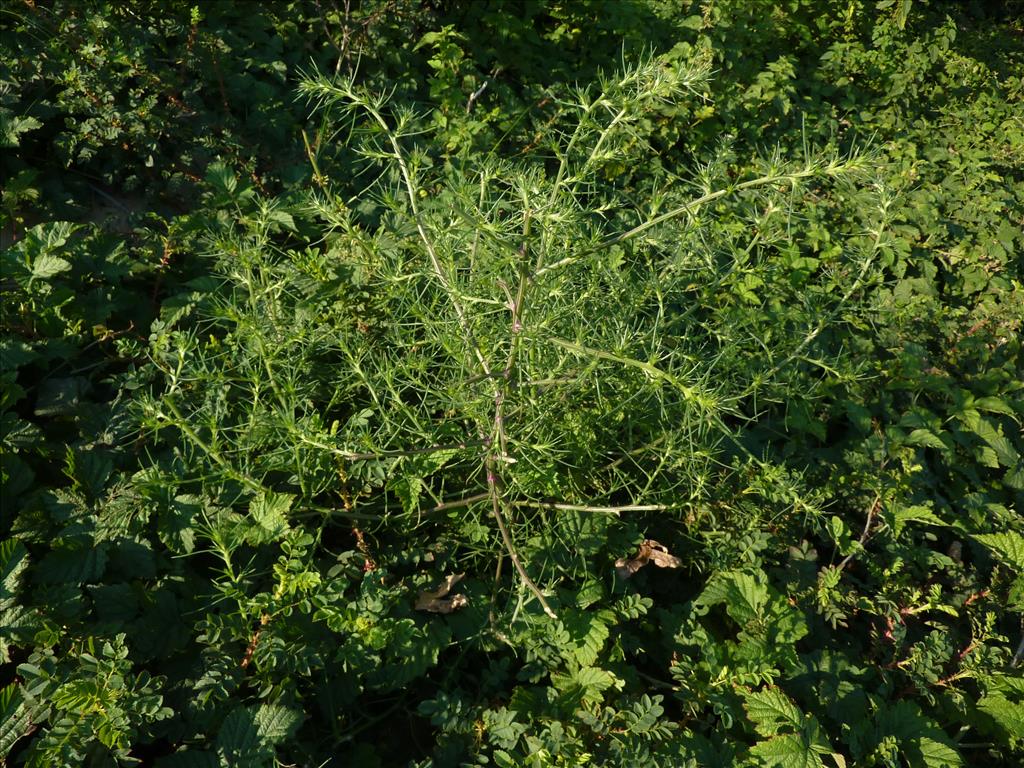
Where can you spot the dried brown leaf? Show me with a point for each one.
(650, 551)
(438, 601)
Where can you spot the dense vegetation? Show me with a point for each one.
(518, 383)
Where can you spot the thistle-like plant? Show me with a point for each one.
(487, 344)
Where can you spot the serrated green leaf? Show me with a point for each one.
(276, 723)
(72, 565)
(175, 523)
(919, 738)
(1009, 715)
(993, 405)
(408, 491)
(933, 754)
(502, 727)
(18, 433)
(1014, 478)
(48, 266)
(771, 711)
(63, 743)
(926, 438)
(900, 516)
(268, 520)
(88, 471)
(587, 633)
(11, 128)
(746, 599)
(589, 683)
(13, 562)
(744, 595)
(1008, 547)
(281, 218)
(1005, 453)
(787, 751)
(16, 717)
(238, 740)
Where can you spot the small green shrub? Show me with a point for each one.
(302, 442)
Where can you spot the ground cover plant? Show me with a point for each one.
(520, 384)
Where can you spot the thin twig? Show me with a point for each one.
(675, 213)
(495, 487)
(689, 393)
(495, 494)
(352, 456)
(461, 502)
(526, 503)
(435, 262)
(876, 505)
(636, 451)
(591, 508)
(214, 455)
(825, 319)
(1019, 654)
(480, 91)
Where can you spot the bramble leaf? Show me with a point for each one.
(772, 711)
(1008, 547)
(787, 751)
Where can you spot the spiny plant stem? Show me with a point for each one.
(352, 456)
(681, 210)
(592, 508)
(495, 485)
(501, 385)
(181, 423)
(689, 393)
(435, 262)
(496, 494)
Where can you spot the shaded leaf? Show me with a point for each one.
(1008, 547)
(276, 723)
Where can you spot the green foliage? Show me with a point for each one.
(630, 383)
(90, 701)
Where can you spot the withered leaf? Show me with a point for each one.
(650, 552)
(438, 600)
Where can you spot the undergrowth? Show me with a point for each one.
(668, 419)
